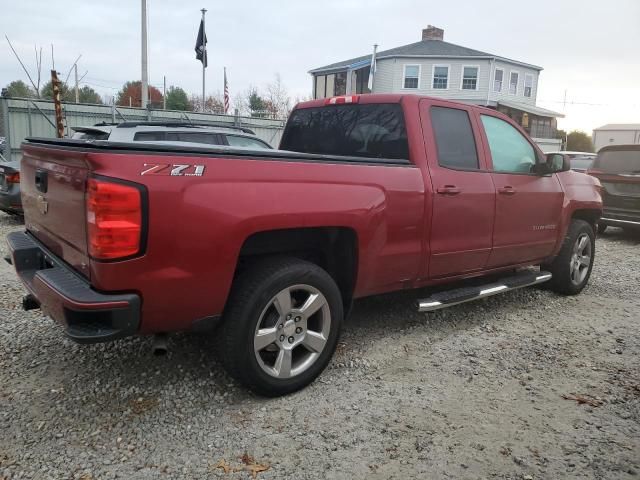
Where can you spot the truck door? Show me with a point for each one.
(528, 205)
(463, 193)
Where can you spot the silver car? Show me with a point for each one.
(177, 133)
(10, 201)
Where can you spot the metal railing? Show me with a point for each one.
(27, 117)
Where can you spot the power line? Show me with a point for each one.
(569, 102)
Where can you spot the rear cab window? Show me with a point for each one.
(369, 131)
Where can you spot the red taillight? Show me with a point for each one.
(13, 178)
(342, 100)
(114, 219)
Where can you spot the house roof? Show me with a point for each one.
(539, 111)
(423, 48)
(619, 126)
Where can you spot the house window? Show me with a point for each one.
(528, 85)
(513, 83)
(469, 78)
(440, 77)
(320, 86)
(411, 76)
(362, 80)
(330, 85)
(497, 80)
(340, 87)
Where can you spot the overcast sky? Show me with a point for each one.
(588, 48)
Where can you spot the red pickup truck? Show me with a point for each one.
(367, 194)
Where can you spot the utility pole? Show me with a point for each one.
(145, 70)
(164, 92)
(75, 68)
(564, 110)
(204, 56)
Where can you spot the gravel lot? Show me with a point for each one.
(475, 391)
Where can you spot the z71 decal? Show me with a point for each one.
(173, 170)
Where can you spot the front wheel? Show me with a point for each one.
(281, 325)
(571, 269)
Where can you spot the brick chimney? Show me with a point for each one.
(432, 33)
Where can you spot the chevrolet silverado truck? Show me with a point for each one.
(268, 248)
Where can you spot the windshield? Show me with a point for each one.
(618, 161)
(581, 162)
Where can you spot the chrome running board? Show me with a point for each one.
(468, 294)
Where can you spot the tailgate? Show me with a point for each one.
(621, 191)
(53, 183)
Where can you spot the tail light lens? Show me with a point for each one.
(114, 219)
(13, 178)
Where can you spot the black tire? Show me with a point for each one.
(602, 228)
(561, 266)
(251, 294)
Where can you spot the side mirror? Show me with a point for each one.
(557, 162)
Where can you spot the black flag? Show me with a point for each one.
(201, 43)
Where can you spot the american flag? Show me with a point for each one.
(226, 92)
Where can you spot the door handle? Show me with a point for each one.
(448, 190)
(508, 190)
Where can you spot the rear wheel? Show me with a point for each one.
(571, 269)
(281, 325)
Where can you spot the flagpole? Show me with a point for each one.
(372, 69)
(204, 55)
(144, 84)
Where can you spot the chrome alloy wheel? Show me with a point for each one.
(292, 331)
(580, 259)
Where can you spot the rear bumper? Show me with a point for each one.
(87, 316)
(618, 217)
(11, 202)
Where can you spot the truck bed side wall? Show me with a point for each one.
(198, 225)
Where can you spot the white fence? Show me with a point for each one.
(21, 118)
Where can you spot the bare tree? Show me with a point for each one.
(36, 86)
(214, 103)
(277, 98)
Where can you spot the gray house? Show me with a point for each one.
(440, 69)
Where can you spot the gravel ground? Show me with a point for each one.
(475, 391)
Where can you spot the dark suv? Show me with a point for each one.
(618, 169)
